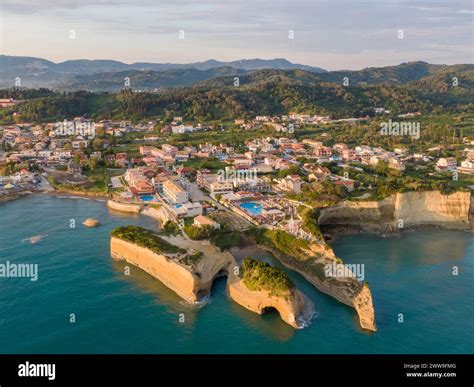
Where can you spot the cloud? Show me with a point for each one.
(235, 29)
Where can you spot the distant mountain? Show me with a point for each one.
(38, 72)
(145, 79)
(86, 66)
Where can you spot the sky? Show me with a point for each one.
(332, 34)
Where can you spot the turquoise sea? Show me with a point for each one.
(115, 313)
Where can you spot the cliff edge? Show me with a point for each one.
(189, 273)
(401, 210)
(261, 287)
(312, 261)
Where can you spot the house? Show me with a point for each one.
(74, 168)
(290, 183)
(169, 149)
(142, 187)
(323, 151)
(313, 143)
(146, 150)
(79, 143)
(7, 102)
(181, 156)
(186, 210)
(203, 221)
(396, 164)
(467, 167)
(446, 164)
(184, 171)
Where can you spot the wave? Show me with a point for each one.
(198, 304)
(304, 322)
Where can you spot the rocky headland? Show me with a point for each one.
(401, 210)
(311, 259)
(260, 288)
(188, 271)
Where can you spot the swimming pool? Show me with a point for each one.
(252, 208)
(147, 198)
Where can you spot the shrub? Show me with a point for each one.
(198, 233)
(258, 275)
(146, 238)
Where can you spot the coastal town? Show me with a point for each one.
(263, 181)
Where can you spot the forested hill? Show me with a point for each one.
(262, 92)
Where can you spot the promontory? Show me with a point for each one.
(260, 287)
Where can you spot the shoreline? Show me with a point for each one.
(9, 198)
(74, 194)
(332, 234)
(70, 194)
(77, 194)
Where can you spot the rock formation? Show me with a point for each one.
(406, 209)
(295, 311)
(91, 222)
(311, 261)
(189, 274)
(293, 306)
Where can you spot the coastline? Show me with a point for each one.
(78, 194)
(366, 317)
(8, 198)
(332, 234)
(74, 194)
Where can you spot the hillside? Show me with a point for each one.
(262, 92)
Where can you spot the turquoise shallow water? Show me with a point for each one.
(115, 313)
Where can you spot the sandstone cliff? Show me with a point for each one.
(191, 281)
(311, 260)
(347, 290)
(433, 208)
(295, 309)
(406, 209)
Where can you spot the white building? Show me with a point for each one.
(467, 167)
(446, 164)
(291, 183)
(220, 188)
(187, 210)
(175, 193)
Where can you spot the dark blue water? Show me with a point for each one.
(116, 313)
